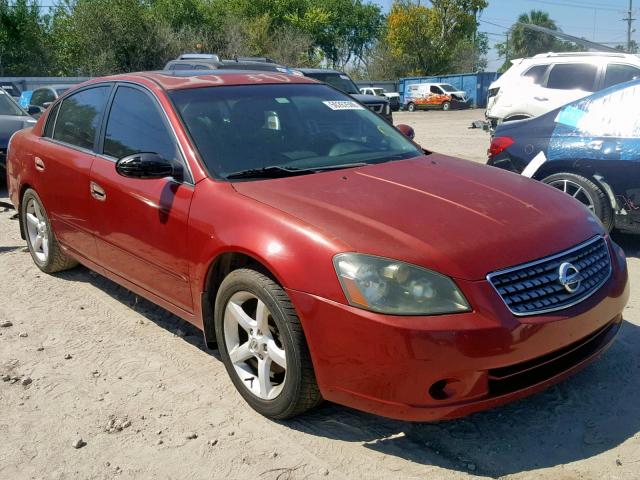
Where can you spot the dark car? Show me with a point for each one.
(343, 82)
(209, 61)
(42, 97)
(589, 148)
(12, 119)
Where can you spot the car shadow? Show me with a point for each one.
(152, 312)
(588, 414)
(569, 422)
(629, 242)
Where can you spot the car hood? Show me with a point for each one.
(368, 99)
(9, 124)
(457, 217)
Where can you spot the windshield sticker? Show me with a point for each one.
(343, 105)
(345, 77)
(282, 100)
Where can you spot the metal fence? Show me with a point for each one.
(475, 85)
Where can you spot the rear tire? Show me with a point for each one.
(446, 106)
(41, 241)
(586, 192)
(411, 107)
(289, 391)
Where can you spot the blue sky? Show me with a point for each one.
(600, 21)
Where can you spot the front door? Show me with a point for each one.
(142, 223)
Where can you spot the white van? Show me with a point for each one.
(434, 95)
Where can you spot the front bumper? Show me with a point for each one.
(447, 366)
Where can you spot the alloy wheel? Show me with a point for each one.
(37, 230)
(576, 191)
(255, 346)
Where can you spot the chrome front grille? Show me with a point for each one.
(540, 287)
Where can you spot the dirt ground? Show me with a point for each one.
(137, 385)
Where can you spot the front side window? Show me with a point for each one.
(285, 129)
(572, 76)
(448, 88)
(135, 125)
(435, 90)
(618, 73)
(79, 117)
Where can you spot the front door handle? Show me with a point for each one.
(97, 191)
(541, 99)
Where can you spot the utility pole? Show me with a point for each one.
(629, 21)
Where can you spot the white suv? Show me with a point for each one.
(537, 85)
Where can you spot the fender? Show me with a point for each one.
(214, 232)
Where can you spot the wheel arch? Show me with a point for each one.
(218, 269)
(584, 169)
(23, 188)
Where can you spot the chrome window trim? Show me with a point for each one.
(547, 259)
(69, 145)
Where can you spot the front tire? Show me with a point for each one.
(446, 106)
(41, 241)
(586, 192)
(263, 346)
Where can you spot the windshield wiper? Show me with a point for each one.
(336, 167)
(273, 171)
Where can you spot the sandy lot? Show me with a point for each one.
(134, 382)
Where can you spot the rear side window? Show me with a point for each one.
(42, 96)
(572, 76)
(51, 121)
(79, 117)
(536, 74)
(617, 73)
(136, 125)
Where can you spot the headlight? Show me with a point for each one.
(393, 287)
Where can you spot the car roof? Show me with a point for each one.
(182, 79)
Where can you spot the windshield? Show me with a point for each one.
(340, 81)
(448, 88)
(8, 106)
(285, 129)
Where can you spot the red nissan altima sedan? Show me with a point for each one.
(325, 253)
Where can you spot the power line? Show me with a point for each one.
(587, 7)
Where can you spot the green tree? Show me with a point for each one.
(428, 40)
(23, 39)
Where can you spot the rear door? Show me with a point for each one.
(142, 223)
(564, 83)
(65, 156)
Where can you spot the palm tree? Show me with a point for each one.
(525, 42)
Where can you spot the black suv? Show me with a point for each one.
(343, 82)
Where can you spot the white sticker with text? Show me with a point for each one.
(343, 105)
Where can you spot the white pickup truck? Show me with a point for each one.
(393, 97)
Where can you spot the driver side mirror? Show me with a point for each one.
(34, 110)
(148, 165)
(407, 131)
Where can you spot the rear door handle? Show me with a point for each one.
(97, 192)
